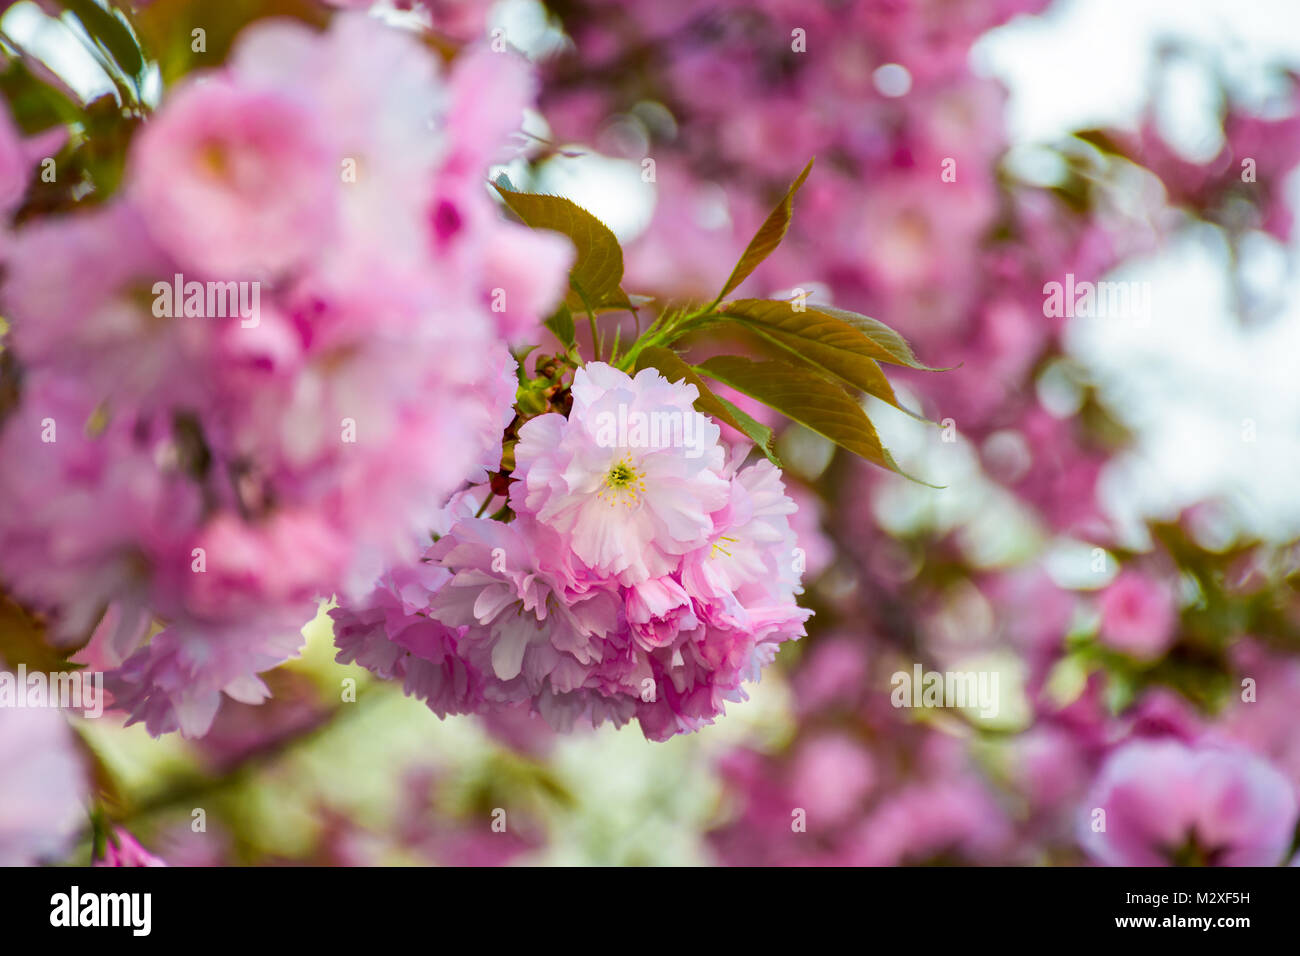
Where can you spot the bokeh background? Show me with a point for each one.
(1115, 535)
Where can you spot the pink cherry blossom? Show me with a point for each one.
(1165, 801)
(1138, 614)
(215, 476)
(628, 504)
(236, 182)
(525, 615)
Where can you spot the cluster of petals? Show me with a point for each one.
(636, 578)
(251, 379)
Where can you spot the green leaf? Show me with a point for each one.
(561, 323)
(806, 397)
(767, 238)
(886, 344)
(597, 271)
(754, 430)
(111, 34)
(37, 99)
(671, 366)
(823, 341)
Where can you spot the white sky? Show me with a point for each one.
(1190, 378)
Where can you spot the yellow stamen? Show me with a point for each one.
(715, 547)
(623, 482)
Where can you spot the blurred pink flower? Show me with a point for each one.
(952, 820)
(237, 182)
(1138, 614)
(219, 474)
(1168, 802)
(832, 675)
(42, 788)
(831, 775)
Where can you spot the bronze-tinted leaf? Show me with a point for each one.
(888, 345)
(823, 341)
(597, 271)
(767, 238)
(807, 398)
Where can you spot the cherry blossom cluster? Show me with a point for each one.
(251, 378)
(646, 572)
